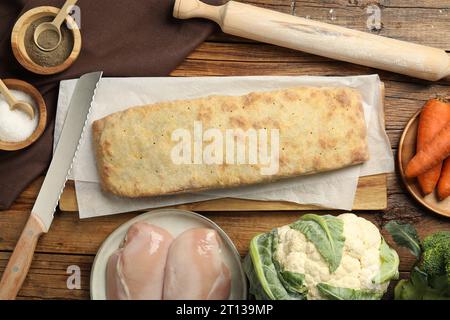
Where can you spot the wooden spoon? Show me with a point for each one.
(14, 103)
(53, 27)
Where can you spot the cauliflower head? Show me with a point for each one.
(321, 257)
(360, 262)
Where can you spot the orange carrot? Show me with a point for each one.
(444, 182)
(434, 116)
(433, 153)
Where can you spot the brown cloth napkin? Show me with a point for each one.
(120, 37)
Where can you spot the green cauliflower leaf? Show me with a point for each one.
(335, 293)
(389, 264)
(327, 234)
(264, 275)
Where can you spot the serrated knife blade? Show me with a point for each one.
(42, 213)
(65, 153)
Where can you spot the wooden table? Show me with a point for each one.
(74, 242)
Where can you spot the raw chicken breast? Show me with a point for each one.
(194, 268)
(136, 271)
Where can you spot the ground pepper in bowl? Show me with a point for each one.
(53, 58)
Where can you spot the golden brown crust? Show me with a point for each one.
(321, 129)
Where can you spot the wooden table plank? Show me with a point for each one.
(48, 274)
(69, 235)
(47, 277)
(226, 59)
(425, 22)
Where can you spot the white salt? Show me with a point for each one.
(16, 125)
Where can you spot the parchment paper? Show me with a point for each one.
(332, 190)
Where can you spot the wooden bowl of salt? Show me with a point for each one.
(34, 59)
(17, 130)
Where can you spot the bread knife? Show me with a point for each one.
(44, 208)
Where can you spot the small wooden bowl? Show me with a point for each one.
(406, 151)
(18, 43)
(27, 88)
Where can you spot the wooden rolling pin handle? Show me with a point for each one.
(20, 261)
(197, 9)
(320, 38)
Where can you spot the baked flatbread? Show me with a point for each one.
(319, 129)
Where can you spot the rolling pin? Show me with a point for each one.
(320, 38)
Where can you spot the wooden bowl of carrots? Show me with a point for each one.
(424, 156)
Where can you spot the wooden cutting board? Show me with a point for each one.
(371, 194)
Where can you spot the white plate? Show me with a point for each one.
(175, 222)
